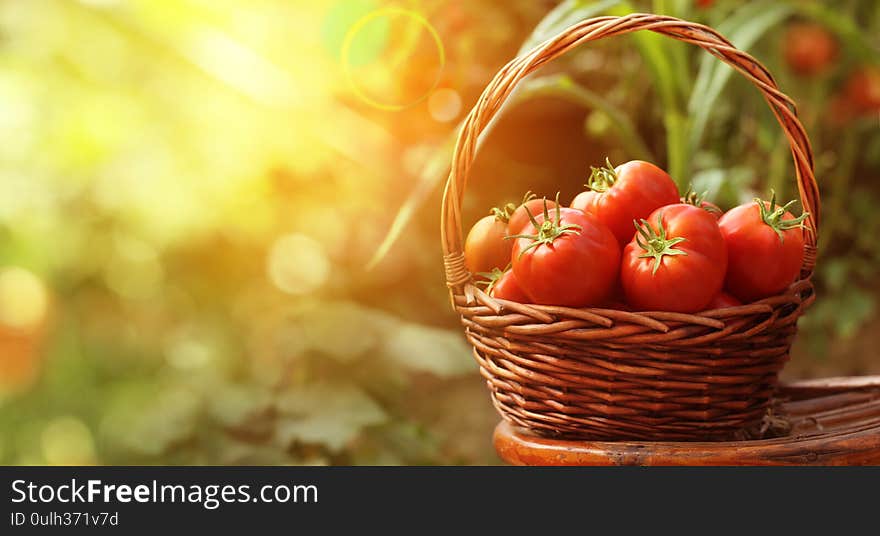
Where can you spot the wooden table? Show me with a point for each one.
(834, 421)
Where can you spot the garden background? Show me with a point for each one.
(219, 220)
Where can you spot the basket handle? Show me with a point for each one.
(500, 88)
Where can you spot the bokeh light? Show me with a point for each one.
(444, 105)
(24, 300)
(68, 441)
(298, 264)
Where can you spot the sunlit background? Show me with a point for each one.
(219, 234)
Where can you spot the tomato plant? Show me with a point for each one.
(566, 257)
(808, 48)
(765, 245)
(675, 262)
(631, 191)
(485, 247)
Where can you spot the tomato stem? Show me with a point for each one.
(691, 197)
(655, 243)
(507, 211)
(548, 230)
(602, 178)
(504, 213)
(773, 216)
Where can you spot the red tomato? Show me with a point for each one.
(485, 247)
(628, 192)
(568, 259)
(705, 3)
(519, 216)
(863, 89)
(676, 262)
(723, 300)
(699, 200)
(506, 287)
(809, 48)
(765, 244)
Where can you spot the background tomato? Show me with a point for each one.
(485, 247)
(571, 260)
(765, 245)
(628, 192)
(506, 287)
(863, 89)
(722, 300)
(676, 262)
(808, 48)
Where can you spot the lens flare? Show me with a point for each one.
(349, 52)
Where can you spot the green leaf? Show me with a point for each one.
(341, 330)
(744, 28)
(235, 405)
(147, 419)
(431, 175)
(426, 349)
(726, 187)
(561, 17)
(331, 414)
(666, 61)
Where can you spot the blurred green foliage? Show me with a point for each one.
(191, 193)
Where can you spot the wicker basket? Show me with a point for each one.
(608, 374)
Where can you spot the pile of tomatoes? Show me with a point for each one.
(630, 241)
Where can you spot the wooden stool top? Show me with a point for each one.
(834, 421)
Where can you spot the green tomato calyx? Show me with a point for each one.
(656, 244)
(773, 216)
(548, 230)
(691, 197)
(492, 277)
(602, 178)
(504, 213)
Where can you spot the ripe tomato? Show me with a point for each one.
(485, 247)
(765, 244)
(723, 300)
(519, 216)
(566, 258)
(809, 48)
(675, 262)
(699, 200)
(506, 287)
(863, 89)
(628, 192)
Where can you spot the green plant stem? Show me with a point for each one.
(840, 183)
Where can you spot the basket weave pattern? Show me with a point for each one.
(608, 374)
